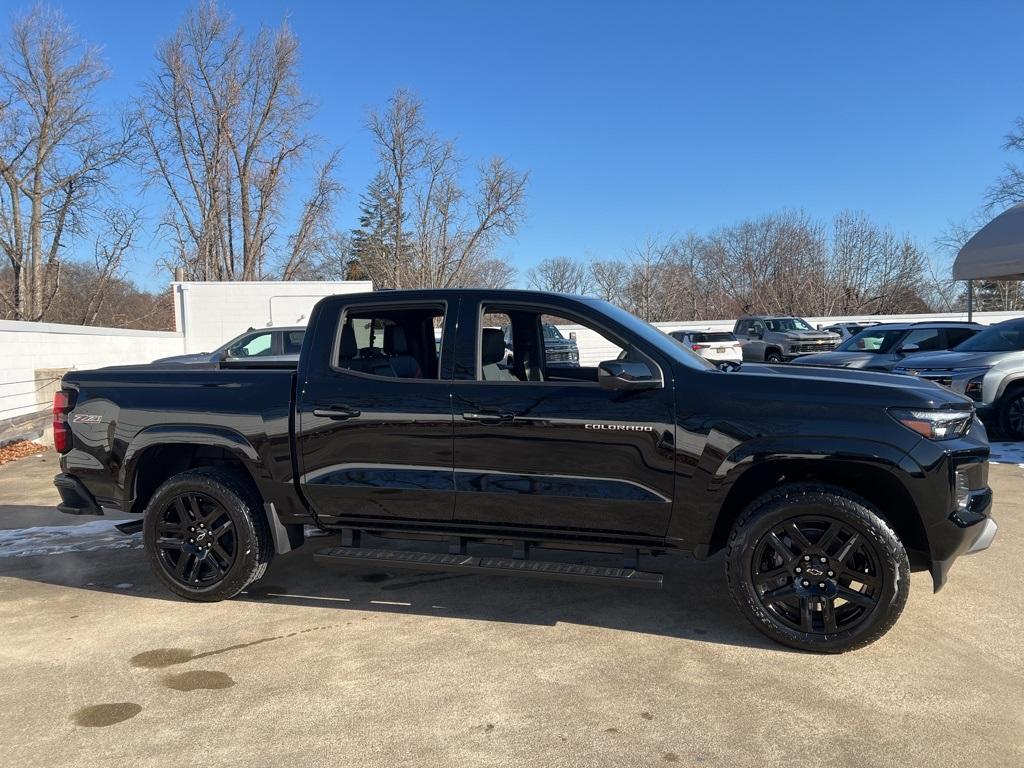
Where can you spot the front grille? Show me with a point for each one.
(825, 345)
(559, 357)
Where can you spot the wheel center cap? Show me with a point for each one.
(814, 570)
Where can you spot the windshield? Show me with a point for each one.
(787, 324)
(660, 341)
(998, 338)
(551, 333)
(873, 340)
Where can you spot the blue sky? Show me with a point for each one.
(640, 119)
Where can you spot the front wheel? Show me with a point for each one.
(1011, 415)
(815, 567)
(205, 535)
(774, 357)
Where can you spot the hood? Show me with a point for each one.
(837, 359)
(947, 361)
(842, 387)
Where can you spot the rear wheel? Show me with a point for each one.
(205, 535)
(1011, 414)
(816, 568)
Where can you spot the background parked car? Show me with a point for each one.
(883, 347)
(847, 330)
(777, 339)
(715, 346)
(559, 350)
(265, 343)
(988, 368)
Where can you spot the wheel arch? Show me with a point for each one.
(877, 484)
(161, 452)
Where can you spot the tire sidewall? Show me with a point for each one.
(888, 550)
(239, 510)
(1004, 415)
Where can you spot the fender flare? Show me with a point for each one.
(763, 453)
(183, 434)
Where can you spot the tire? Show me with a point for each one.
(774, 356)
(238, 546)
(848, 601)
(1011, 414)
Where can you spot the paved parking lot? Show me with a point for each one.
(100, 666)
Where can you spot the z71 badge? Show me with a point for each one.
(87, 418)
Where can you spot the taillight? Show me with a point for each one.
(61, 433)
(695, 347)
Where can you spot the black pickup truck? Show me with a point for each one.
(825, 487)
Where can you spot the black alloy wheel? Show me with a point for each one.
(206, 534)
(817, 575)
(195, 540)
(816, 567)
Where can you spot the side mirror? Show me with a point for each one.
(627, 374)
(753, 333)
(906, 349)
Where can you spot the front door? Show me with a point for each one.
(375, 422)
(545, 446)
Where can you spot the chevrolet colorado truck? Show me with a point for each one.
(824, 487)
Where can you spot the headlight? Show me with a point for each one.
(935, 425)
(974, 387)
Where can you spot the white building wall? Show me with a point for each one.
(209, 314)
(26, 348)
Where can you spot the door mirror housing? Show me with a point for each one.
(627, 375)
(906, 349)
(753, 333)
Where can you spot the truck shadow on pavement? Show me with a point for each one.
(694, 603)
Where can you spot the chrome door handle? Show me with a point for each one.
(493, 417)
(336, 412)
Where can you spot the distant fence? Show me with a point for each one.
(33, 357)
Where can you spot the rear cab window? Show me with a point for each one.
(391, 341)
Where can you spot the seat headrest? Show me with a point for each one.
(394, 340)
(492, 346)
(348, 348)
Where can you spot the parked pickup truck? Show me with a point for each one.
(774, 339)
(824, 487)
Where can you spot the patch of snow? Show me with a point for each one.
(60, 539)
(1008, 453)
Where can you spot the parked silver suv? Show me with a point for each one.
(775, 339)
(988, 368)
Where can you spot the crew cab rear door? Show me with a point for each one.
(373, 410)
(545, 446)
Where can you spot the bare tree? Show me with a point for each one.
(115, 240)
(560, 275)
(1008, 189)
(608, 278)
(223, 121)
(419, 226)
(56, 150)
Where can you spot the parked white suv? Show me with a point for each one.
(715, 346)
(988, 368)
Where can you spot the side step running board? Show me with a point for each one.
(429, 561)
